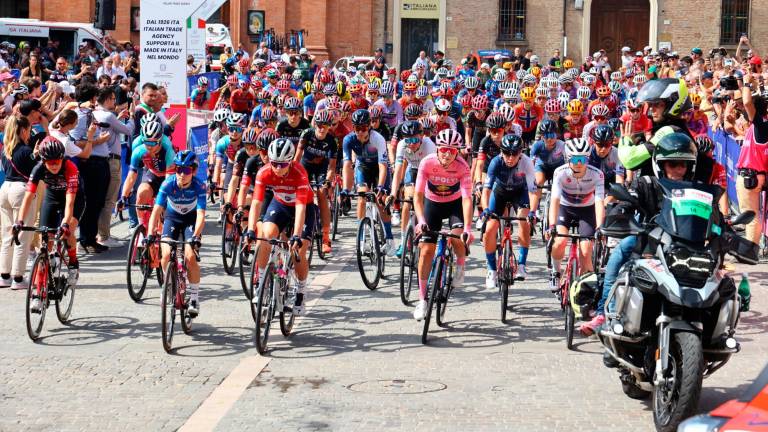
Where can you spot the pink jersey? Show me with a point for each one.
(754, 155)
(443, 184)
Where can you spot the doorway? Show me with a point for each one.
(619, 23)
(417, 35)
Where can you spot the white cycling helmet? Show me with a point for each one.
(281, 150)
(576, 147)
(448, 138)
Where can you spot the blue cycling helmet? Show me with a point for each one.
(185, 158)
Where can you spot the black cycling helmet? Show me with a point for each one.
(411, 128)
(602, 135)
(673, 92)
(361, 117)
(50, 148)
(496, 121)
(511, 144)
(413, 110)
(704, 144)
(265, 138)
(675, 146)
(547, 126)
(615, 124)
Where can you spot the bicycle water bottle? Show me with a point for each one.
(744, 292)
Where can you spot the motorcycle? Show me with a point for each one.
(672, 314)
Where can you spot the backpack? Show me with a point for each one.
(585, 293)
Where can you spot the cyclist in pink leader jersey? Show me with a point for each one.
(443, 191)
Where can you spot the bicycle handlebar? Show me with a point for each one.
(446, 234)
(176, 243)
(44, 230)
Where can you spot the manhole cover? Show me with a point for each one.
(397, 386)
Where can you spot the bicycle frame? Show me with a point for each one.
(281, 257)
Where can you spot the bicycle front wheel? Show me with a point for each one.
(168, 306)
(335, 211)
(506, 276)
(368, 254)
(446, 288)
(433, 298)
(570, 316)
(245, 267)
(37, 289)
(137, 269)
(407, 266)
(286, 315)
(228, 245)
(65, 300)
(265, 308)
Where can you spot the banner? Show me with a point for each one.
(196, 32)
(727, 154)
(425, 9)
(164, 45)
(198, 142)
(23, 30)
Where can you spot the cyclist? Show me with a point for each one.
(180, 205)
(411, 112)
(249, 150)
(443, 190)
(293, 126)
(528, 115)
(200, 95)
(292, 202)
(226, 149)
(393, 112)
(317, 153)
(63, 203)
(248, 176)
(475, 129)
(600, 114)
(576, 120)
(604, 156)
(578, 191)
(411, 149)
(378, 125)
(548, 154)
(510, 179)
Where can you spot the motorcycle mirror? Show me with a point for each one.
(743, 218)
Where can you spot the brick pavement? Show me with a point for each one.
(354, 362)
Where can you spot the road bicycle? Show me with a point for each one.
(276, 292)
(231, 236)
(370, 242)
(440, 279)
(546, 191)
(246, 256)
(48, 280)
(139, 263)
(175, 298)
(409, 259)
(506, 260)
(564, 282)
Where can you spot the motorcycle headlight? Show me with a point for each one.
(643, 280)
(691, 269)
(702, 423)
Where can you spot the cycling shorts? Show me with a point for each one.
(548, 170)
(499, 200)
(317, 173)
(366, 175)
(435, 213)
(268, 195)
(282, 216)
(581, 217)
(410, 176)
(153, 180)
(173, 227)
(52, 210)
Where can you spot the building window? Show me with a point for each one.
(511, 19)
(734, 21)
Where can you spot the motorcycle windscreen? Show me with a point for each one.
(688, 209)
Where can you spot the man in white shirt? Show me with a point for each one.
(626, 58)
(109, 68)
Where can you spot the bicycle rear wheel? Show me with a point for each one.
(65, 300)
(506, 278)
(545, 220)
(265, 308)
(319, 245)
(368, 254)
(137, 269)
(335, 211)
(407, 266)
(38, 288)
(570, 316)
(245, 267)
(286, 315)
(168, 306)
(228, 245)
(433, 297)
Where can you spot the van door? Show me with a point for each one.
(67, 42)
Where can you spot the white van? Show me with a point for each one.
(37, 33)
(217, 40)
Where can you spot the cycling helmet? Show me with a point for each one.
(695, 99)
(323, 117)
(219, 115)
(632, 99)
(232, 80)
(442, 72)
(152, 117)
(552, 106)
(542, 92)
(575, 107)
(292, 104)
(306, 87)
(443, 105)
(471, 82)
(341, 89)
(565, 79)
(527, 94)
(412, 110)
(448, 138)
(520, 74)
(422, 92)
(50, 149)
(387, 88)
(507, 112)
(185, 158)
(551, 82)
(511, 93)
(427, 124)
(268, 114)
(704, 144)
(615, 124)
(583, 93)
(334, 103)
(346, 107)
(500, 75)
(673, 92)
(21, 90)
(361, 117)
(616, 76)
(675, 146)
(451, 74)
(283, 85)
(602, 135)
(496, 121)
(355, 90)
(466, 101)
(568, 63)
(256, 82)
(600, 110)
(413, 78)
(535, 71)
(202, 81)
(480, 102)
(376, 112)
(329, 89)
(281, 150)
(589, 79)
(243, 63)
(529, 80)
(236, 120)
(614, 86)
(410, 86)
(152, 130)
(554, 75)
(511, 144)
(547, 126)
(296, 75)
(576, 147)
(603, 91)
(504, 86)
(266, 137)
(250, 136)
(411, 128)
(564, 95)
(639, 79)
(594, 71)
(563, 104)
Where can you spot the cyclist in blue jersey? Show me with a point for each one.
(200, 95)
(181, 201)
(371, 167)
(548, 154)
(510, 179)
(604, 156)
(226, 149)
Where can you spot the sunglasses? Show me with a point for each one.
(292, 112)
(323, 125)
(151, 143)
(550, 135)
(280, 165)
(578, 160)
(447, 150)
(511, 154)
(412, 140)
(497, 130)
(236, 130)
(54, 161)
(362, 128)
(186, 170)
(442, 113)
(599, 118)
(603, 144)
(675, 164)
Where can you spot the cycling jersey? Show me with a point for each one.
(285, 130)
(179, 202)
(242, 101)
(372, 152)
(67, 180)
(640, 125)
(241, 158)
(488, 150)
(580, 192)
(502, 178)
(610, 165)
(393, 114)
(477, 124)
(317, 151)
(548, 159)
(443, 184)
(384, 130)
(199, 98)
(576, 128)
(157, 165)
(528, 119)
(251, 168)
(291, 189)
(413, 158)
(226, 149)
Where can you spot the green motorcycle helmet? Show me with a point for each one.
(675, 147)
(673, 92)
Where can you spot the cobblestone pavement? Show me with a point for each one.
(355, 362)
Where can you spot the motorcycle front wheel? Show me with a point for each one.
(677, 397)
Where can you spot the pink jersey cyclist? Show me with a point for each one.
(443, 184)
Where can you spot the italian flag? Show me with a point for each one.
(200, 23)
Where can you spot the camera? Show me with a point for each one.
(729, 83)
(721, 99)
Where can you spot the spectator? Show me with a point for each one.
(556, 63)
(60, 128)
(225, 55)
(378, 63)
(626, 57)
(264, 53)
(109, 68)
(305, 63)
(132, 67)
(421, 62)
(18, 161)
(61, 71)
(472, 60)
(525, 62)
(192, 68)
(35, 70)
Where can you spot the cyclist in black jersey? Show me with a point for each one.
(294, 124)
